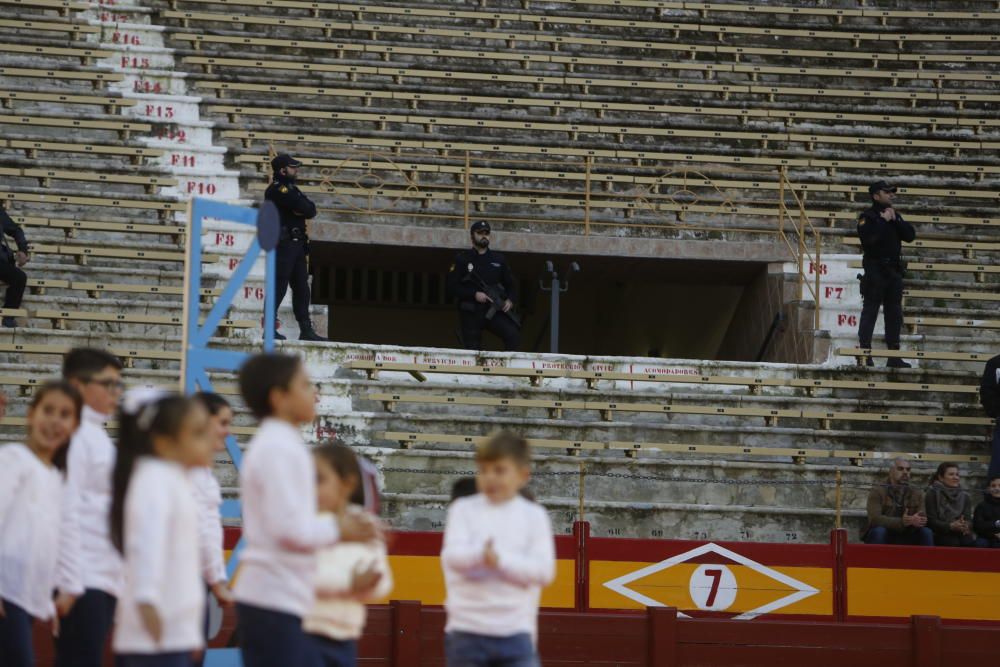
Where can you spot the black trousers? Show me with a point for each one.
(84, 631)
(291, 270)
(882, 287)
(473, 322)
(16, 280)
(16, 649)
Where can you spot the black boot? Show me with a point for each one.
(277, 326)
(306, 332)
(893, 361)
(9, 322)
(869, 362)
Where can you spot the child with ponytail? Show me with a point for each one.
(154, 525)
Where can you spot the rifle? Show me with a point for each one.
(497, 295)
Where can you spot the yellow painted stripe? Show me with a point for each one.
(948, 594)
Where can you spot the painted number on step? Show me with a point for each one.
(845, 320)
(821, 269)
(222, 238)
(182, 160)
(125, 38)
(107, 17)
(833, 293)
(713, 587)
(200, 188)
(177, 136)
(158, 111)
(146, 86)
(133, 62)
(255, 293)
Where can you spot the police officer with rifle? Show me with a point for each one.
(882, 231)
(482, 283)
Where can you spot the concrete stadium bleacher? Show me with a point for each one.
(565, 117)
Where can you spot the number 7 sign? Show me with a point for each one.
(713, 587)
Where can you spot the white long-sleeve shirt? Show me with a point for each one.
(30, 508)
(504, 601)
(87, 514)
(338, 613)
(281, 526)
(208, 496)
(162, 561)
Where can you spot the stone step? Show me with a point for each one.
(672, 521)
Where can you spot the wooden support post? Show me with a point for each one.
(926, 641)
(405, 628)
(661, 636)
(839, 500)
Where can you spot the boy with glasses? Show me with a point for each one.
(83, 632)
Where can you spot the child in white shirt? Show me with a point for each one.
(281, 527)
(498, 554)
(83, 633)
(208, 495)
(32, 486)
(348, 575)
(154, 525)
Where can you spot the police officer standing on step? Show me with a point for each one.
(11, 262)
(293, 245)
(474, 273)
(882, 230)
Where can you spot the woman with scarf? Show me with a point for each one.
(949, 508)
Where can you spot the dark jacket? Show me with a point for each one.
(935, 521)
(989, 388)
(295, 208)
(10, 228)
(886, 505)
(985, 518)
(491, 266)
(883, 239)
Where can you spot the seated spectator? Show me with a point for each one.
(949, 508)
(895, 511)
(10, 265)
(986, 518)
(989, 396)
(463, 486)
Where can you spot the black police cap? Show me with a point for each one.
(284, 160)
(479, 226)
(879, 186)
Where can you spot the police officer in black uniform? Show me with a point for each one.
(882, 230)
(293, 245)
(469, 273)
(11, 262)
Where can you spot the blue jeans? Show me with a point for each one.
(84, 631)
(919, 537)
(994, 470)
(333, 653)
(271, 638)
(464, 649)
(182, 659)
(15, 637)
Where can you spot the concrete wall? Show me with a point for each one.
(771, 292)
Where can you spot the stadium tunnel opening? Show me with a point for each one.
(615, 306)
